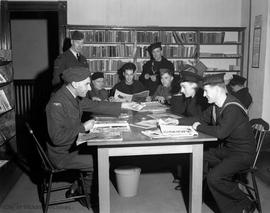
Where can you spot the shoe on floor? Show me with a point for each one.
(249, 209)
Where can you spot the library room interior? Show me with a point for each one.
(134, 106)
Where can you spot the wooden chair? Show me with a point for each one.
(259, 127)
(49, 173)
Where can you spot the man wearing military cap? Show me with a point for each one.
(239, 90)
(150, 76)
(227, 120)
(70, 58)
(98, 92)
(64, 112)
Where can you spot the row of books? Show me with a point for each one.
(178, 37)
(108, 51)
(215, 38)
(140, 52)
(108, 36)
(4, 103)
(221, 55)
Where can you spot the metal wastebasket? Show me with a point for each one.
(127, 180)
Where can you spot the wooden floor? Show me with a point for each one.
(156, 194)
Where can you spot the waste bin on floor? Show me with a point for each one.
(127, 179)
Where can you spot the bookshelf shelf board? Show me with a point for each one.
(227, 71)
(104, 58)
(106, 43)
(224, 57)
(225, 43)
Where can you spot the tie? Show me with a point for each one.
(78, 56)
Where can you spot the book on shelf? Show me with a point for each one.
(4, 103)
(98, 137)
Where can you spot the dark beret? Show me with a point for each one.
(190, 74)
(77, 35)
(237, 80)
(154, 46)
(165, 70)
(128, 66)
(75, 74)
(214, 79)
(97, 75)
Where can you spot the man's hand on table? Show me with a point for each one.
(88, 125)
(195, 125)
(169, 121)
(131, 106)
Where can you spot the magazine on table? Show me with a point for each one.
(146, 124)
(107, 126)
(98, 137)
(171, 131)
(154, 107)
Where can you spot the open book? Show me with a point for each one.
(137, 97)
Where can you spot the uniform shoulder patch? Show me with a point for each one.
(57, 104)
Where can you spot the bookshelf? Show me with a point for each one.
(106, 48)
(9, 172)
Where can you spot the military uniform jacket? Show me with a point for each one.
(64, 120)
(64, 61)
(164, 92)
(152, 67)
(231, 126)
(243, 96)
(189, 107)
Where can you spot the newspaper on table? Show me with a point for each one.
(106, 126)
(146, 124)
(154, 107)
(171, 131)
(98, 137)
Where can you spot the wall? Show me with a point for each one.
(259, 78)
(29, 47)
(154, 12)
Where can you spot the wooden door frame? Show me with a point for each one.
(7, 7)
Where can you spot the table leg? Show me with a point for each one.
(195, 186)
(103, 180)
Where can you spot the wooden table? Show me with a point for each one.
(136, 144)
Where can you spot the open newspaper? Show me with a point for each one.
(171, 131)
(137, 97)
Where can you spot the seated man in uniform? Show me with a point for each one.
(150, 76)
(70, 58)
(64, 112)
(98, 92)
(128, 85)
(163, 93)
(239, 90)
(227, 120)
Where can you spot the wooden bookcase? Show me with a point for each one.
(9, 172)
(106, 48)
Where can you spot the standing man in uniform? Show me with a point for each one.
(150, 76)
(70, 58)
(227, 120)
(239, 91)
(64, 112)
